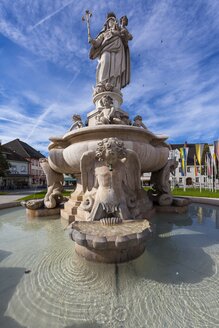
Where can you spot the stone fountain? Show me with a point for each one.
(109, 211)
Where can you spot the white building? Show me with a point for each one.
(192, 178)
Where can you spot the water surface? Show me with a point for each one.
(175, 283)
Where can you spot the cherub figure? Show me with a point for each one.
(125, 35)
(77, 122)
(125, 119)
(138, 122)
(121, 118)
(107, 113)
(111, 176)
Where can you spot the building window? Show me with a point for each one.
(197, 180)
(23, 169)
(188, 169)
(13, 169)
(180, 180)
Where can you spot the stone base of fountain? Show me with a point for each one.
(101, 242)
(43, 212)
(171, 209)
(179, 206)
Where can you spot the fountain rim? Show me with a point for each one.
(103, 129)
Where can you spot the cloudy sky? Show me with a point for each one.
(46, 75)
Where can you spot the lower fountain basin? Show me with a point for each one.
(110, 244)
(174, 283)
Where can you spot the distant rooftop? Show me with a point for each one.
(12, 155)
(23, 149)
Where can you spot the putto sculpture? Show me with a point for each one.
(77, 122)
(138, 122)
(109, 208)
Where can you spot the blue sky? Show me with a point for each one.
(46, 75)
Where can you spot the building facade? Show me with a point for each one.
(17, 176)
(195, 176)
(32, 156)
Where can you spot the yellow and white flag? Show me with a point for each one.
(199, 151)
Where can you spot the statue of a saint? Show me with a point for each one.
(111, 49)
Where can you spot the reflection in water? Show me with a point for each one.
(200, 215)
(217, 219)
(173, 284)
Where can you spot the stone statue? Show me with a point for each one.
(111, 49)
(54, 181)
(111, 180)
(161, 191)
(33, 204)
(107, 113)
(138, 122)
(77, 122)
(121, 118)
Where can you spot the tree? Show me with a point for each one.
(4, 164)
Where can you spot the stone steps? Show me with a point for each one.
(71, 208)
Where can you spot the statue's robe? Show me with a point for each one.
(113, 59)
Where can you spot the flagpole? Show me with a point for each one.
(184, 183)
(214, 174)
(216, 150)
(205, 174)
(212, 179)
(200, 187)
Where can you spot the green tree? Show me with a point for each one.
(4, 165)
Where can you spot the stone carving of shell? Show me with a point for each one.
(111, 221)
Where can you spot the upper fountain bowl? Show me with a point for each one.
(65, 152)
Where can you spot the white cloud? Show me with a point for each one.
(174, 85)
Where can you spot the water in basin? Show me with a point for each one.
(175, 283)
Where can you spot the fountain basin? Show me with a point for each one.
(65, 152)
(179, 267)
(110, 244)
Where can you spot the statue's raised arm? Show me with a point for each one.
(111, 49)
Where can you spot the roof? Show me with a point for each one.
(12, 155)
(23, 149)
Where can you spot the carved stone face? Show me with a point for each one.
(76, 117)
(106, 101)
(138, 122)
(111, 150)
(108, 86)
(124, 21)
(110, 23)
(111, 153)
